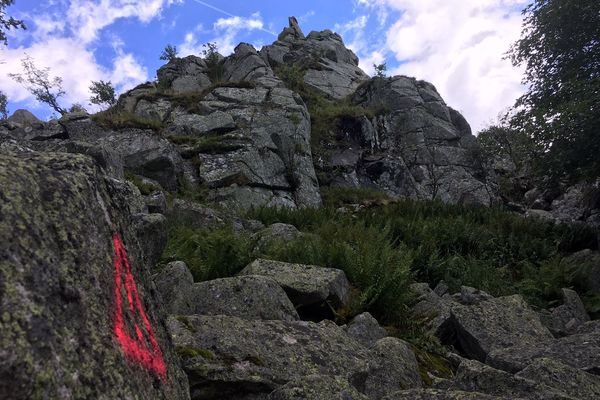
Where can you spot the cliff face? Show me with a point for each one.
(233, 127)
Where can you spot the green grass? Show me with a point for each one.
(327, 116)
(111, 119)
(386, 248)
(208, 144)
(144, 188)
(190, 101)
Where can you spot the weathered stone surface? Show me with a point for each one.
(199, 216)
(575, 383)
(396, 368)
(242, 358)
(304, 284)
(473, 376)
(415, 147)
(469, 296)
(274, 234)
(156, 202)
(481, 328)
(216, 122)
(175, 284)
(57, 285)
(317, 387)
(24, 118)
(248, 297)
(245, 64)
(151, 231)
(328, 66)
(147, 155)
(434, 309)
(365, 329)
(566, 318)
(581, 351)
(184, 75)
(437, 394)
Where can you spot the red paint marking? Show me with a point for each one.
(135, 348)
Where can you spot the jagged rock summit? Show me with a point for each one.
(239, 129)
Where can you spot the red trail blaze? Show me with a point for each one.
(135, 348)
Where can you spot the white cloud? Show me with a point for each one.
(459, 45)
(226, 31)
(65, 46)
(75, 64)
(88, 18)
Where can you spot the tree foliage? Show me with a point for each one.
(102, 93)
(213, 61)
(380, 70)
(6, 22)
(40, 85)
(169, 53)
(3, 104)
(560, 50)
(501, 141)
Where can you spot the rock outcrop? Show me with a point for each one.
(68, 248)
(326, 64)
(412, 146)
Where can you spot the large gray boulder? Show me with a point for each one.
(24, 118)
(477, 330)
(566, 318)
(574, 382)
(229, 357)
(365, 329)
(68, 251)
(305, 284)
(580, 351)
(248, 297)
(473, 376)
(396, 368)
(184, 75)
(175, 284)
(431, 308)
(321, 57)
(317, 387)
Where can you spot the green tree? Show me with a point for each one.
(560, 50)
(3, 104)
(102, 93)
(501, 141)
(40, 85)
(213, 61)
(6, 22)
(380, 70)
(169, 53)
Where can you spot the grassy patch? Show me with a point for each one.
(486, 248)
(190, 101)
(209, 254)
(327, 116)
(386, 248)
(111, 119)
(144, 187)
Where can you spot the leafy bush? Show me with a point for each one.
(489, 249)
(209, 254)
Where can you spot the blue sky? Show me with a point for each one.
(456, 44)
